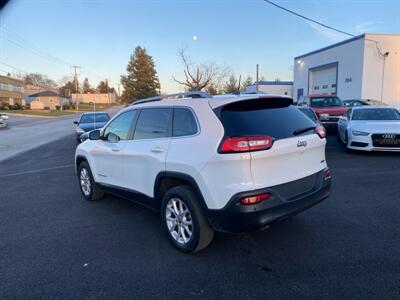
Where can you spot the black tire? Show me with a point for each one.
(202, 233)
(95, 192)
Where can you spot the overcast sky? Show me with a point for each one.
(47, 36)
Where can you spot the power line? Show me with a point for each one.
(30, 47)
(12, 67)
(309, 19)
(381, 55)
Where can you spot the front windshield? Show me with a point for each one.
(325, 101)
(91, 118)
(378, 114)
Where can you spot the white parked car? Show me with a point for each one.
(230, 164)
(370, 128)
(2, 122)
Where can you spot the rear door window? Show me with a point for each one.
(184, 122)
(263, 118)
(153, 123)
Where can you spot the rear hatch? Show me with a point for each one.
(296, 150)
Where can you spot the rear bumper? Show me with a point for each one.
(235, 217)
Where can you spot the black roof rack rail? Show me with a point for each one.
(197, 94)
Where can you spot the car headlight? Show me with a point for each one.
(359, 133)
(324, 116)
(79, 130)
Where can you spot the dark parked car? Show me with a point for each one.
(311, 114)
(90, 121)
(361, 102)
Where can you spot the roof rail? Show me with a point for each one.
(197, 94)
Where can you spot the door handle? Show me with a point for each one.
(157, 150)
(115, 149)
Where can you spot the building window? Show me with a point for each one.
(316, 87)
(325, 86)
(333, 85)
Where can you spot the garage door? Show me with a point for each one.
(323, 80)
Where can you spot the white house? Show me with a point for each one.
(272, 87)
(364, 67)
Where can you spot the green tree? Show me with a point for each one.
(103, 87)
(86, 85)
(231, 86)
(248, 81)
(141, 80)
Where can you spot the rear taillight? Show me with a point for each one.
(246, 144)
(320, 130)
(254, 199)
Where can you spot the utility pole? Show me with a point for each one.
(240, 78)
(257, 78)
(76, 83)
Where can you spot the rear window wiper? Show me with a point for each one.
(301, 130)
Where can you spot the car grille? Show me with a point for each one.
(386, 140)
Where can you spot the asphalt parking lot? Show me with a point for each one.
(53, 244)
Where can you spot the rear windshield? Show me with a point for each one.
(90, 118)
(263, 117)
(378, 114)
(325, 101)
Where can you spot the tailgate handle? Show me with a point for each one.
(115, 149)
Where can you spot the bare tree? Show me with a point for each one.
(200, 76)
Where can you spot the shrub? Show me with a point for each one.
(16, 106)
(46, 108)
(58, 107)
(66, 106)
(5, 107)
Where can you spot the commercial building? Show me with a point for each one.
(364, 67)
(98, 98)
(272, 87)
(11, 91)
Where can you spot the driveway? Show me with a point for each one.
(25, 133)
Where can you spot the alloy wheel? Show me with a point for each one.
(179, 221)
(85, 182)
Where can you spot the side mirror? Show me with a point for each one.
(94, 135)
(76, 122)
(112, 137)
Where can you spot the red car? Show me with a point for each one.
(327, 107)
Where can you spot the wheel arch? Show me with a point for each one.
(167, 179)
(78, 160)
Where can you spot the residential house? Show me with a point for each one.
(48, 100)
(98, 98)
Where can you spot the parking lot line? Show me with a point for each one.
(37, 171)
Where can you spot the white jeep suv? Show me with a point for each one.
(232, 164)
